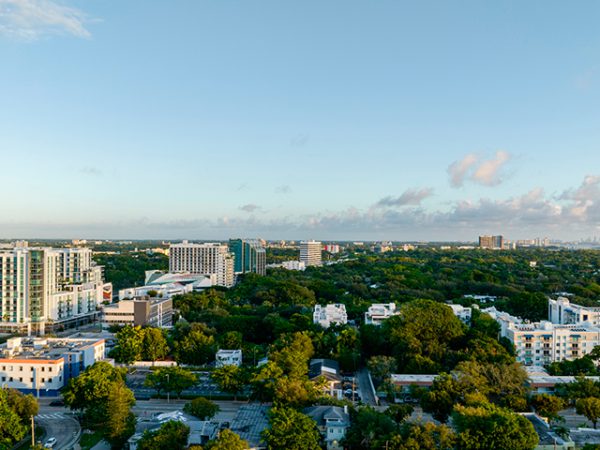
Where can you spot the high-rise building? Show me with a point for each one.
(250, 256)
(491, 242)
(206, 259)
(47, 288)
(310, 253)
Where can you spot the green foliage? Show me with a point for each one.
(170, 379)
(590, 408)
(291, 430)
(230, 379)
(427, 436)
(369, 429)
(581, 388)
(24, 405)
(120, 421)
(202, 408)
(154, 344)
(423, 335)
(12, 428)
(580, 366)
(195, 347)
(399, 412)
(128, 269)
(489, 427)
(548, 405)
(227, 440)
(172, 435)
(140, 344)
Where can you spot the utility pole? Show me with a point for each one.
(168, 391)
(32, 432)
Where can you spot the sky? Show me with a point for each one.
(324, 119)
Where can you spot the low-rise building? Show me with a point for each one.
(404, 382)
(332, 422)
(334, 313)
(141, 311)
(378, 312)
(329, 371)
(43, 366)
(463, 313)
(228, 358)
(294, 265)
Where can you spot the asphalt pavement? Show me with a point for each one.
(364, 386)
(63, 427)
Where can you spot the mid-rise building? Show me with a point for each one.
(542, 343)
(378, 312)
(562, 311)
(310, 253)
(206, 259)
(491, 242)
(332, 248)
(294, 265)
(249, 256)
(228, 358)
(334, 313)
(142, 311)
(44, 366)
(47, 288)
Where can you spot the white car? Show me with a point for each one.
(50, 443)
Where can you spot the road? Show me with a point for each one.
(149, 408)
(364, 387)
(61, 426)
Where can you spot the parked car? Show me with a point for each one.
(57, 403)
(50, 443)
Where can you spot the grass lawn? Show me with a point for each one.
(88, 440)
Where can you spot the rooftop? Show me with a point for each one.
(250, 421)
(44, 349)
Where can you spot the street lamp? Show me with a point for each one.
(168, 391)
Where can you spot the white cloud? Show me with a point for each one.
(409, 197)
(31, 19)
(250, 208)
(487, 172)
(458, 170)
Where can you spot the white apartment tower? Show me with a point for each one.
(47, 287)
(310, 253)
(206, 259)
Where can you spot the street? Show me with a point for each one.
(364, 386)
(61, 426)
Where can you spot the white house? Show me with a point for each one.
(228, 358)
(378, 312)
(334, 313)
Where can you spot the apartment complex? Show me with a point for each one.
(206, 259)
(541, 343)
(334, 313)
(142, 311)
(462, 312)
(47, 288)
(44, 366)
(310, 253)
(378, 312)
(250, 256)
(491, 242)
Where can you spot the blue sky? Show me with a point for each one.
(328, 119)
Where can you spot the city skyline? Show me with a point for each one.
(337, 121)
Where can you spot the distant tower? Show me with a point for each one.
(310, 253)
(491, 242)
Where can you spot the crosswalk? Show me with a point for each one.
(54, 416)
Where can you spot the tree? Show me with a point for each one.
(548, 405)
(264, 381)
(295, 392)
(120, 421)
(369, 429)
(129, 345)
(399, 412)
(487, 426)
(441, 398)
(171, 379)
(202, 408)
(423, 335)
(381, 366)
(154, 344)
(24, 405)
(291, 353)
(12, 428)
(172, 435)
(227, 440)
(427, 436)
(90, 390)
(231, 340)
(230, 379)
(195, 348)
(580, 388)
(291, 430)
(590, 408)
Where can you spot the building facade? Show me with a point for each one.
(310, 253)
(44, 366)
(491, 242)
(140, 311)
(50, 288)
(562, 311)
(334, 313)
(228, 358)
(249, 256)
(378, 312)
(206, 259)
